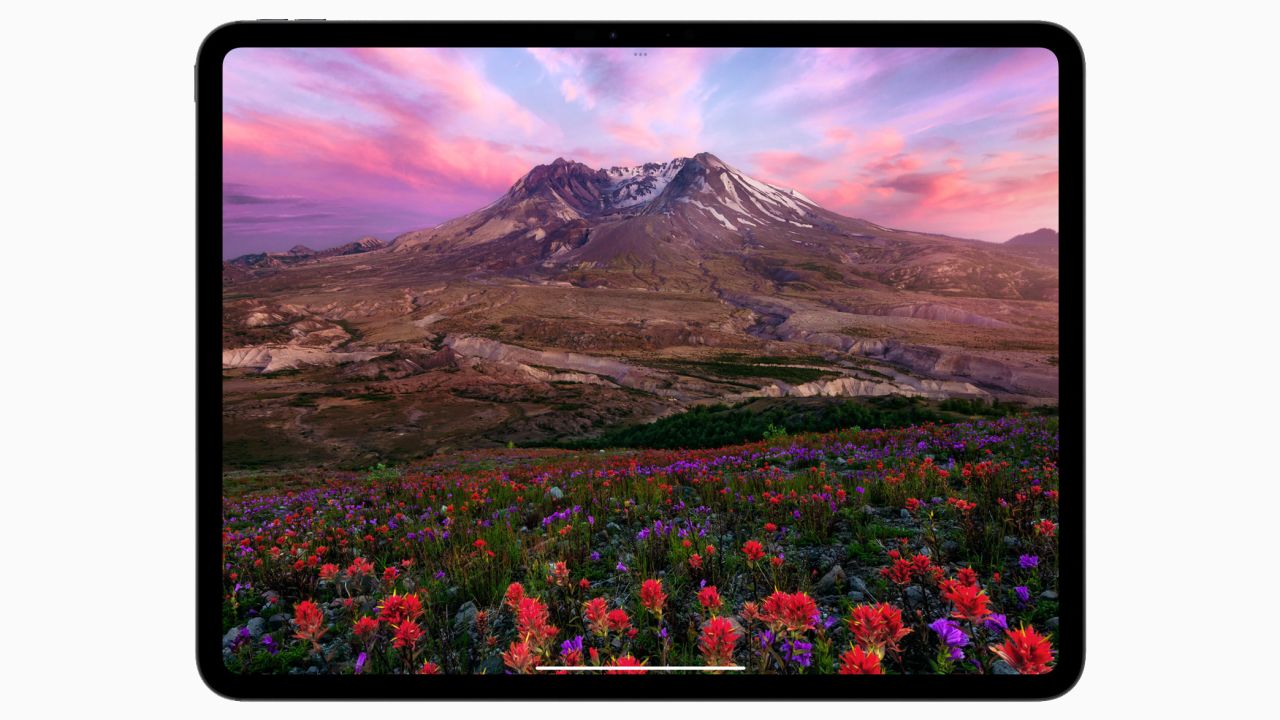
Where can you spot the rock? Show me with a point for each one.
(949, 547)
(257, 626)
(271, 597)
(556, 492)
(733, 622)
(1051, 623)
(277, 621)
(230, 637)
(858, 585)
(915, 596)
(905, 514)
(868, 510)
(466, 616)
(1011, 541)
(830, 583)
(1048, 595)
(1001, 667)
(858, 597)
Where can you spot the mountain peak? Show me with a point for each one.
(1042, 238)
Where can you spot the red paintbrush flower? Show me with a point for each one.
(967, 576)
(364, 628)
(899, 572)
(717, 641)
(753, 550)
(857, 661)
(515, 591)
(1026, 651)
(1046, 528)
(651, 596)
(429, 668)
(596, 611)
(519, 657)
(329, 571)
(695, 561)
(618, 620)
(407, 635)
(626, 661)
(533, 622)
(709, 598)
(310, 621)
(359, 567)
(790, 611)
(877, 626)
(970, 602)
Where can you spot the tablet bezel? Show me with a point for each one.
(1069, 638)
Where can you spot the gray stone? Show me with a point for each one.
(857, 584)
(257, 626)
(278, 620)
(230, 637)
(949, 547)
(868, 510)
(905, 514)
(1051, 623)
(830, 583)
(466, 615)
(1048, 595)
(556, 492)
(1001, 667)
(915, 596)
(1011, 541)
(857, 596)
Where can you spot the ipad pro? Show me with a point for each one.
(640, 360)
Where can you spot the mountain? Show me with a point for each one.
(240, 268)
(587, 298)
(688, 218)
(1044, 238)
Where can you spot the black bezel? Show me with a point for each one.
(1070, 635)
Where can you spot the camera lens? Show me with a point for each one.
(613, 36)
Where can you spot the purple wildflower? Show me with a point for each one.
(1026, 562)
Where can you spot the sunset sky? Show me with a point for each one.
(323, 146)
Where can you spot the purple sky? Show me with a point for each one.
(322, 146)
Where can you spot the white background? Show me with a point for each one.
(97, 159)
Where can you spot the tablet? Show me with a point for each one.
(635, 361)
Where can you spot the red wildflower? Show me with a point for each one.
(515, 591)
(519, 657)
(310, 621)
(618, 620)
(776, 560)
(770, 527)
(710, 550)
(559, 574)
(753, 550)
(695, 561)
(365, 627)
(652, 597)
(533, 622)
(359, 567)
(717, 641)
(596, 611)
(479, 544)
(967, 576)
(395, 609)
(709, 598)
(750, 611)
(429, 668)
(1026, 651)
(857, 661)
(899, 572)
(626, 661)
(389, 574)
(792, 611)
(407, 635)
(877, 626)
(329, 571)
(970, 602)
(912, 505)
(584, 583)
(1046, 528)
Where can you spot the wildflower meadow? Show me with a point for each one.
(920, 550)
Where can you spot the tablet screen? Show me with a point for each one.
(616, 361)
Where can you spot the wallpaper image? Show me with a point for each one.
(640, 360)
